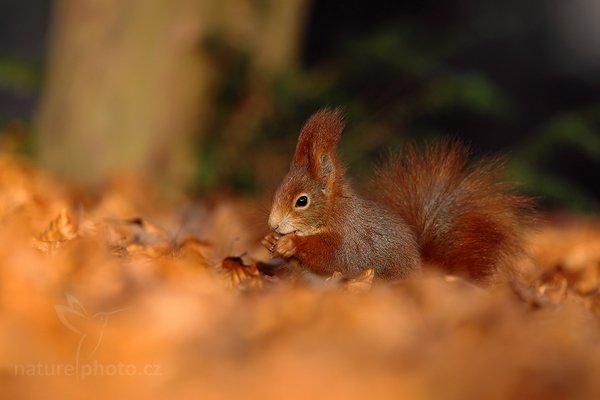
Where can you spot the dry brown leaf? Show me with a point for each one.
(428, 337)
(336, 277)
(60, 230)
(194, 249)
(587, 280)
(148, 251)
(239, 275)
(554, 287)
(361, 283)
(138, 237)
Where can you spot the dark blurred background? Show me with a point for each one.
(207, 94)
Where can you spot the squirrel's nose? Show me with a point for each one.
(273, 222)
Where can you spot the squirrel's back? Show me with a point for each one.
(465, 219)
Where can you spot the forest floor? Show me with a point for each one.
(119, 292)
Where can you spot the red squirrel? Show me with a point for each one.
(429, 207)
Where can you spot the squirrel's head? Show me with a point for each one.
(304, 200)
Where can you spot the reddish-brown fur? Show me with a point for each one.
(466, 220)
(325, 128)
(431, 206)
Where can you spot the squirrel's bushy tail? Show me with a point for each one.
(465, 219)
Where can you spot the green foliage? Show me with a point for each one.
(19, 76)
(580, 130)
(397, 83)
(471, 92)
(577, 130)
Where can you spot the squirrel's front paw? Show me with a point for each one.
(270, 241)
(285, 246)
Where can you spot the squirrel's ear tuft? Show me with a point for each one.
(318, 140)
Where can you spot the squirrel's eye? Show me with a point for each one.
(302, 201)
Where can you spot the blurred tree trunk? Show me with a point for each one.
(128, 82)
(124, 90)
